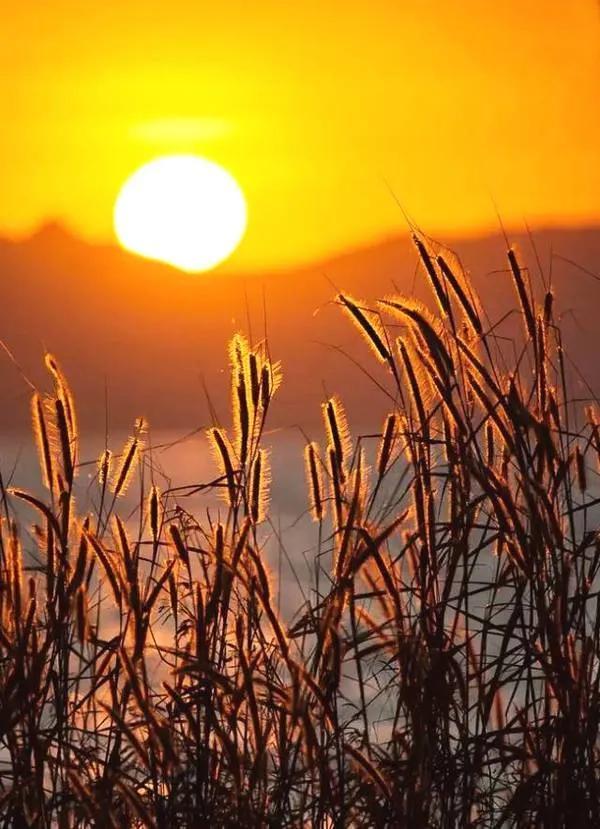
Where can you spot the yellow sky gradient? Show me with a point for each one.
(313, 106)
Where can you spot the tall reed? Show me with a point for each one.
(443, 667)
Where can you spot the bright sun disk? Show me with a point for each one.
(183, 210)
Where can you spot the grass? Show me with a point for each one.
(444, 670)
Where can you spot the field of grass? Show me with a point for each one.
(444, 668)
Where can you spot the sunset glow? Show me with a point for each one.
(319, 109)
(183, 210)
(300, 414)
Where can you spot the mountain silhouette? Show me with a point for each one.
(140, 338)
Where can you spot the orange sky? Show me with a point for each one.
(312, 106)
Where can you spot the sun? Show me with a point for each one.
(181, 209)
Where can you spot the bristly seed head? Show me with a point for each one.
(314, 480)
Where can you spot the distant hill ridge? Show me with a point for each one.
(153, 335)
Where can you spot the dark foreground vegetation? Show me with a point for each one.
(444, 669)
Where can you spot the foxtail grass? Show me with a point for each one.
(442, 669)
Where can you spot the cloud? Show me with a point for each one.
(177, 130)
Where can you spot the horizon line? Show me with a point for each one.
(62, 228)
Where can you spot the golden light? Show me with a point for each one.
(183, 210)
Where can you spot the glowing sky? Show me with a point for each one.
(313, 106)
